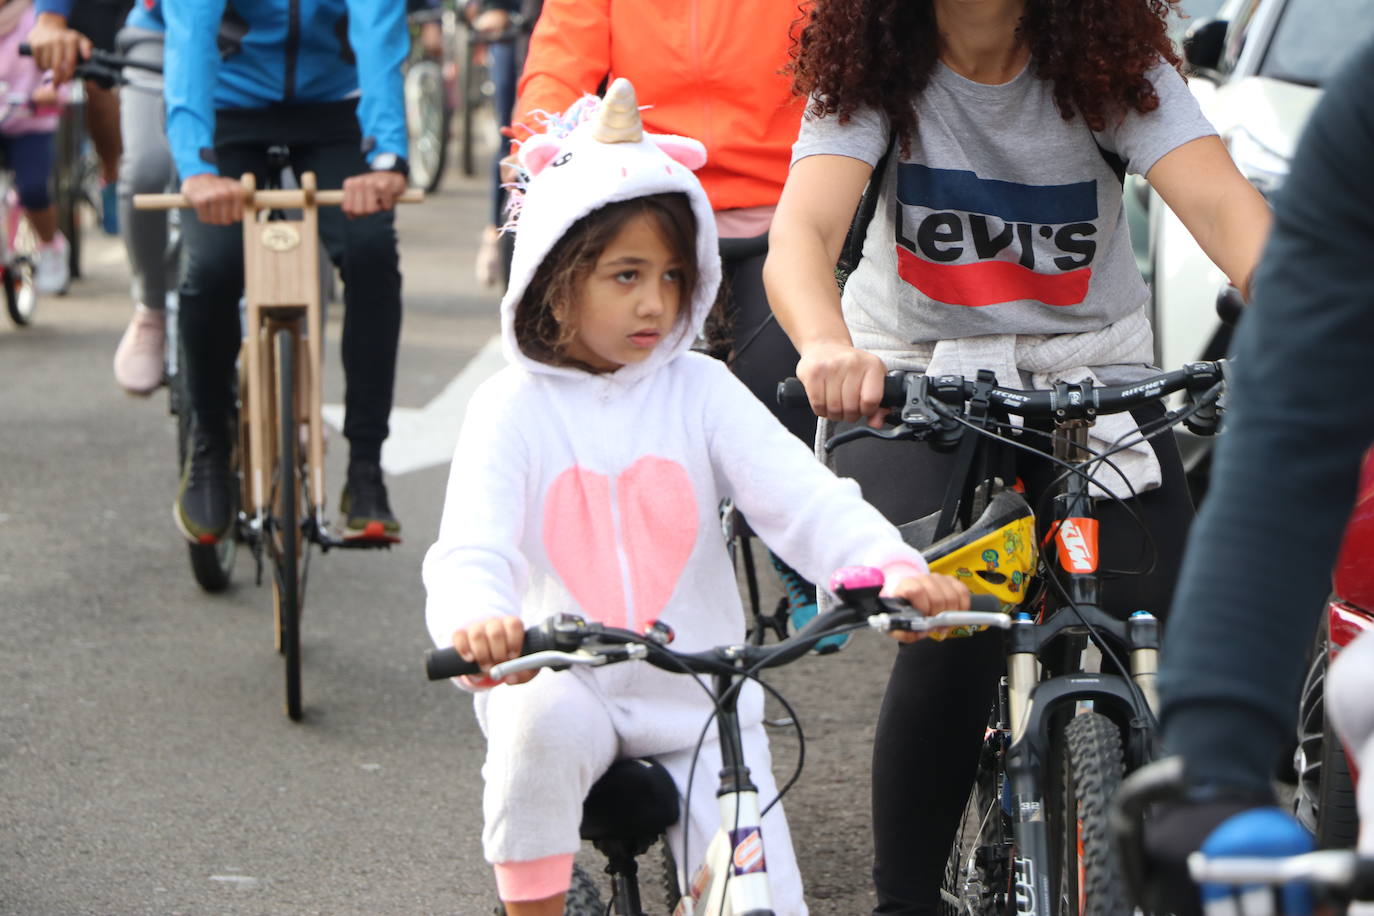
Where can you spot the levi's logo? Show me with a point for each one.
(982, 241)
(1077, 539)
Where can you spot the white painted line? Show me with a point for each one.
(424, 437)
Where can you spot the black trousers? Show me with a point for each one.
(939, 694)
(324, 139)
(760, 353)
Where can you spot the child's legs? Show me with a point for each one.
(31, 159)
(547, 742)
(783, 876)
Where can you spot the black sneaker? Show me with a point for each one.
(204, 509)
(366, 511)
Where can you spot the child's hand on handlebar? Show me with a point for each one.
(492, 641)
(57, 47)
(930, 594)
(843, 383)
(218, 200)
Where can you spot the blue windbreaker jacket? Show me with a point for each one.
(293, 52)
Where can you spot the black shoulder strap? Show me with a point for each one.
(1114, 162)
(853, 250)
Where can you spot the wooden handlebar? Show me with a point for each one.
(266, 199)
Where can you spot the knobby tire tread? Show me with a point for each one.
(1094, 767)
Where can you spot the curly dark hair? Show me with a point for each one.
(879, 54)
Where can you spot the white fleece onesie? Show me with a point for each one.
(597, 495)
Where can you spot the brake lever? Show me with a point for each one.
(900, 431)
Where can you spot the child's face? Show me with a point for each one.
(629, 302)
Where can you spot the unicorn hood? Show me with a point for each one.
(597, 154)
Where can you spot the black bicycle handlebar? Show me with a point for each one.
(1064, 398)
(102, 67)
(567, 633)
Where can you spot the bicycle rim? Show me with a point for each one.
(427, 120)
(287, 533)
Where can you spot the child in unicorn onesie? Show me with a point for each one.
(587, 479)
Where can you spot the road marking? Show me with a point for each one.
(424, 437)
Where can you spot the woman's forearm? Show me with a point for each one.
(800, 280)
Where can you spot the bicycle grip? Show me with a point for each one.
(791, 393)
(446, 662)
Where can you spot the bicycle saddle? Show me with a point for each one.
(635, 800)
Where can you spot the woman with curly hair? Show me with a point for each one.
(998, 242)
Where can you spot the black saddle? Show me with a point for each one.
(633, 802)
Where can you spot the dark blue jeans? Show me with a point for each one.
(323, 139)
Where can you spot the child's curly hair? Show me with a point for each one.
(879, 54)
(545, 319)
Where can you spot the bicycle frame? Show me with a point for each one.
(282, 292)
(1033, 704)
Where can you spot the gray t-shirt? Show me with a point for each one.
(1004, 218)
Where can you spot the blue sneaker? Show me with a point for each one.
(801, 606)
(109, 208)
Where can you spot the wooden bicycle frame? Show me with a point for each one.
(281, 268)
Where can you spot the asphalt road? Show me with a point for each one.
(146, 765)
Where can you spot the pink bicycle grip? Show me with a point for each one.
(850, 578)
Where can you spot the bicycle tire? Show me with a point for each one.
(287, 536)
(672, 893)
(21, 298)
(583, 898)
(977, 878)
(428, 121)
(212, 565)
(1086, 769)
(472, 99)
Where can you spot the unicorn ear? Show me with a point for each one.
(538, 151)
(685, 150)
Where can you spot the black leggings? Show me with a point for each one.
(939, 694)
(760, 353)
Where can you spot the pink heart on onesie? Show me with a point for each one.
(655, 508)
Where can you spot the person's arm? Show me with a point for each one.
(377, 33)
(813, 215)
(57, 47)
(475, 570)
(813, 520)
(569, 56)
(1224, 213)
(1258, 567)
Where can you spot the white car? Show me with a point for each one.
(1257, 73)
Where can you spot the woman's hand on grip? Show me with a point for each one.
(843, 383)
(492, 641)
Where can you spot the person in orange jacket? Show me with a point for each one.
(713, 70)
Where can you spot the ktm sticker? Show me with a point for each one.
(748, 845)
(1077, 539)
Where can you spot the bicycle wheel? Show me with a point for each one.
(21, 297)
(427, 121)
(672, 893)
(286, 538)
(978, 873)
(1086, 768)
(583, 897)
(211, 564)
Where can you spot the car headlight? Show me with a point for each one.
(1263, 167)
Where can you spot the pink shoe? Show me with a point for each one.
(138, 359)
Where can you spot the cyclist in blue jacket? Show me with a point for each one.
(323, 78)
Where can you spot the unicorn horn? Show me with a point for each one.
(617, 119)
